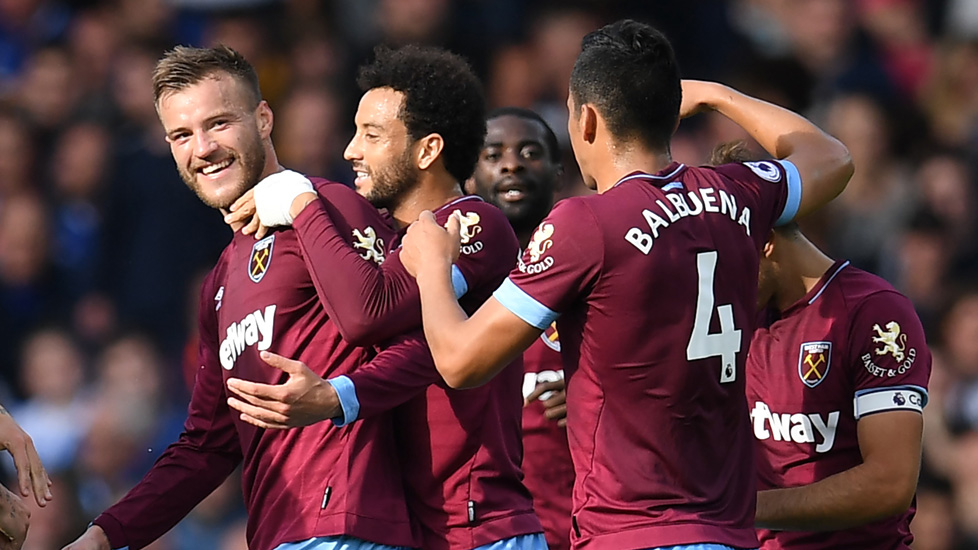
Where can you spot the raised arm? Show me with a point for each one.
(344, 242)
(369, 301)
(823, 162)
(190, 469)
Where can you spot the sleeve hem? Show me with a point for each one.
(113, 531)
(347, 393)
(793, 200)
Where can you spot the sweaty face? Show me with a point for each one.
(515, 171)
(381, 151)
(216, 137)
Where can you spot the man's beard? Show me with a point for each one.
(391, 182)
(252, 165)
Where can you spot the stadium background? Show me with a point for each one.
(102, 247)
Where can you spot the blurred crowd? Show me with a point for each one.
(102, 247)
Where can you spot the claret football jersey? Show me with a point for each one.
(460, 449)
(654, 283)
(321, 480)
(853, 346)
(547, 468)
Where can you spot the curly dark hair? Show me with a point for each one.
(441, 96)
(628, 71)
(184, 66)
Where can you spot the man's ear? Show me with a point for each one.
(469, 186)
(588, 123)
(768, 248)
(265, 119)
(429, 150)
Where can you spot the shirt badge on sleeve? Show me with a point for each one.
(468, 228)
(891, 341)
(261, 258)
(814, 361)
(539, 244)
(373, 248)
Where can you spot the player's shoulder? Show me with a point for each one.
(866, 294)
(858, 285)
(329, 189)
(771, 171)
(477, 216)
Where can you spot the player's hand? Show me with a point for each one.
(15, 518)
(304, 399)
(554, 397)
(92, 539)
(243, 213)
(31, 476)
(429, 245)
(699, 96)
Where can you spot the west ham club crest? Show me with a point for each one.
(261, 258)
(814, 361)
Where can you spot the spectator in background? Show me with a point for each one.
(27, 291)
(16, 154)
(80, 175)
(880, 196)
(308, 133)
(56, 410)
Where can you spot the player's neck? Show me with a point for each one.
(803, 268)
(271, 167)
(625, 160)
(432, 191)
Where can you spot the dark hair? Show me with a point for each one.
(441, 95)
(184, 66)
(627, 70)
(548, 133)
(731, 151)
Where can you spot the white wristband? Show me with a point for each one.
(274, 196)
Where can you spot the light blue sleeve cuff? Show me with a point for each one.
(524, 306)
(347, 393)
(459, 284)
(793, 201)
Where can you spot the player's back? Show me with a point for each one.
(654, 335)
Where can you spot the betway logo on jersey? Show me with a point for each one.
(255, 328)
(797, 427)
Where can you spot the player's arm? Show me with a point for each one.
(823, 162)
(369, 303)
(467, 351)
(882, 486)
(403, 369)
(190, 469)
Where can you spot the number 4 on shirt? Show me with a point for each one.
(725, 343)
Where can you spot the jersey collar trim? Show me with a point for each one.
(456, 201)
(838, 267)
(667, 173)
